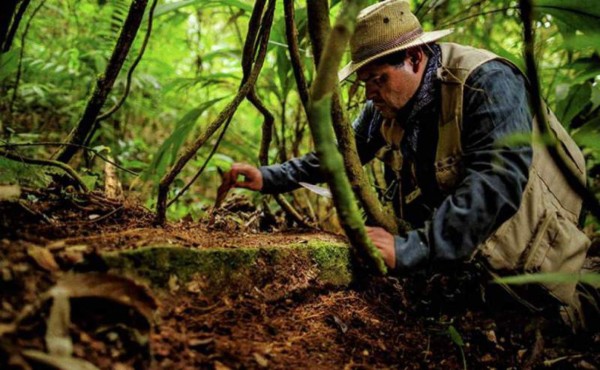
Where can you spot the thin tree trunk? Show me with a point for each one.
(7, 41)
(7, 12)
(105, 82)
(321, 128)
(345, 135)
(247, 85)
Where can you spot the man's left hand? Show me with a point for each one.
(384, 241)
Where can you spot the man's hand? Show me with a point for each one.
(252, 177)
(384, 241)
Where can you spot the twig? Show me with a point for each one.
(228, 111)
(52, 143)
(291, 33)
(555, 149)
(51, 163)
(137, 60)
(479, 14)
(21, 52)
(210, 155)
(107, 215)
(291, 211)
(15, 25)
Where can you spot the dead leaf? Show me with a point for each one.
(58, 340)
(112, 287)
(58, 362)
(343, 327)
(10, 192)
(491, 336)
(260, 360)
(43, 258)
(200, 342)
(221, 366)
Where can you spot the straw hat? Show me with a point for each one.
(383, 29)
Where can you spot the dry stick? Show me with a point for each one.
(20, 66)
(555, 148)
(291, 34)
(247, 58)
(263, 155)
(352, 163)
(203, 167)
(52, 143)
(106, 81)
(321, 128)
(44, 162)
(15, 25)
(190, 151)
(137, 60)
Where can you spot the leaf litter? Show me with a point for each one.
(115, 322)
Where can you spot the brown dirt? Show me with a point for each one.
(380, 323)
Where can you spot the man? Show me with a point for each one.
(441, 117)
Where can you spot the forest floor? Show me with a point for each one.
(408, 323)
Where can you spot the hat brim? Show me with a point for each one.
(425, 38)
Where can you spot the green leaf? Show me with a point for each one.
(167, 152)
(592, 279)
(578, 97)
(588, 135)
(166, 8)
(581, 15)
(455, 336)
(8, 63)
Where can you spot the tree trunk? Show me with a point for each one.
(331, 160)
(104, 84)
(376, 214)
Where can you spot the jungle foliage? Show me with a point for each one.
(63, 63)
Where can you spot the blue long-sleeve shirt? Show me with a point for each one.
(448, 227)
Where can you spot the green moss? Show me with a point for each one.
(35, 176)
(218, 269)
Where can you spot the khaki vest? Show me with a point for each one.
(542, 236)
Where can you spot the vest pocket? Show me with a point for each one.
(540, 243)
(448, 173)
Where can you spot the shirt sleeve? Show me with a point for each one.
(284, 177)
(496, 116)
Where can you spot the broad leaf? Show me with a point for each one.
(166, 8)
(582, 15)
(167, 152)
(578, 97)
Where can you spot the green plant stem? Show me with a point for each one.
(135, 63)
(87, 148)
(21, 52)
(330, 159)
(228, 111)
(44, 162)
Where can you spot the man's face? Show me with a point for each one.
(390, 87)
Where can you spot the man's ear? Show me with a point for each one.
(416, 57)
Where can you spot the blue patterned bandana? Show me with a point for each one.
(420, 108)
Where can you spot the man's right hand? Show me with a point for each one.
(252, 177)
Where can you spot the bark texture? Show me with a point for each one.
(320, 122)
(106, 81)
